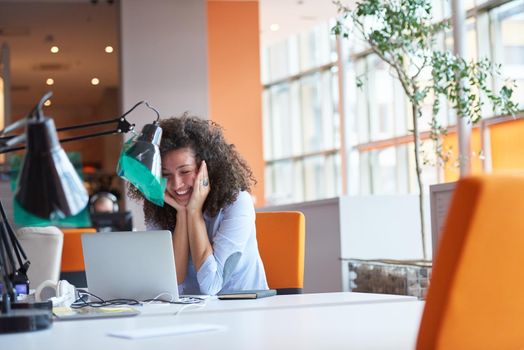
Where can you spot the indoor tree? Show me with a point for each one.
(403, 33)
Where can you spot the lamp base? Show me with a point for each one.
(39, 305)
(25, 320)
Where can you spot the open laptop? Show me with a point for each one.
(132, 265)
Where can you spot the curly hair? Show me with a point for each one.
(228, 172)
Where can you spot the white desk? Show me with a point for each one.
(278, 302)
(375, 323)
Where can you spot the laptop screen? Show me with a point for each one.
(135, 265)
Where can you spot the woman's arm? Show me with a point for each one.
(181, 245)
(199, 244)
(179, 239)
(198, 240)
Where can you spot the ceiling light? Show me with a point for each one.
(47, 103)
(54, 49)
(274, 27)
(95, 81)
(49, 81)
(109, 49)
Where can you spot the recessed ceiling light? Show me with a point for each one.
(274, 27)
(49, 81)
(108, 49)
(47, 103)
(95, 81)
(54, 49)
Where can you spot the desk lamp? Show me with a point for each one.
(49, 187)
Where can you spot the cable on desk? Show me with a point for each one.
(198, 306)
(181, 300)
(83, 301)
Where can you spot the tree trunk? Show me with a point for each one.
(415, 108)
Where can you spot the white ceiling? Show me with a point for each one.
(82, 30)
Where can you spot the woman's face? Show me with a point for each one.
(180, 169)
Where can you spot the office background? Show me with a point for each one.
(287, 99)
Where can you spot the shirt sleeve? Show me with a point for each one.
(233, 233)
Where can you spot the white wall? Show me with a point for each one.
(382, 227)
(364, 227)
(163, 60)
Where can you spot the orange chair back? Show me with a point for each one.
(476, 296)
(281, 239)
(72, 254)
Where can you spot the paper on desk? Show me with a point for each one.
(66, 313)
(166, 331)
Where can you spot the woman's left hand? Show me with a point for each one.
(201, 189)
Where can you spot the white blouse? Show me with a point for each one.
(235, 264)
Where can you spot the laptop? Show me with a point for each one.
(130, 265)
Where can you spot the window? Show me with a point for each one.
(507, 27)
(302, 118)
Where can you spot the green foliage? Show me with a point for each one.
(403, 34)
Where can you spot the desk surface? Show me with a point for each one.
(278, 302)
(315, 321)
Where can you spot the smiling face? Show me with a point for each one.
(180, 169)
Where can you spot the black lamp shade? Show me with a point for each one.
(48, 185)
(146, 149)
(140, 164)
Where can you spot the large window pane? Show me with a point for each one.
(264, 65)
(310, 88)
(508, 43)
(317, 47)
(383, 169)
(286, 182)
(320, 112)
(283, 59)
(304, 120)
(387, 113)
(285, 121)
(358, 100)
(321, 177)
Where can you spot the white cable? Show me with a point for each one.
(198, 306)
(159, 295)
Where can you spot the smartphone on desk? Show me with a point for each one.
(247, 294)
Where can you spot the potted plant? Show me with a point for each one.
(403, 33)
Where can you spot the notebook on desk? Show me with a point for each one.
(137, 265)
(66, 313)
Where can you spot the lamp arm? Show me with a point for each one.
(36, 112)
(122, 123)
(123, 126)
(88, 136)
(13, 126)
(9, 244)
(10, 261)
(19, 250)
(7, 286)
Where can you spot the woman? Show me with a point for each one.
(208, 208)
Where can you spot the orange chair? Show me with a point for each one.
(72, 268)
(476, 296)
(72, 255)
(281, 237)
